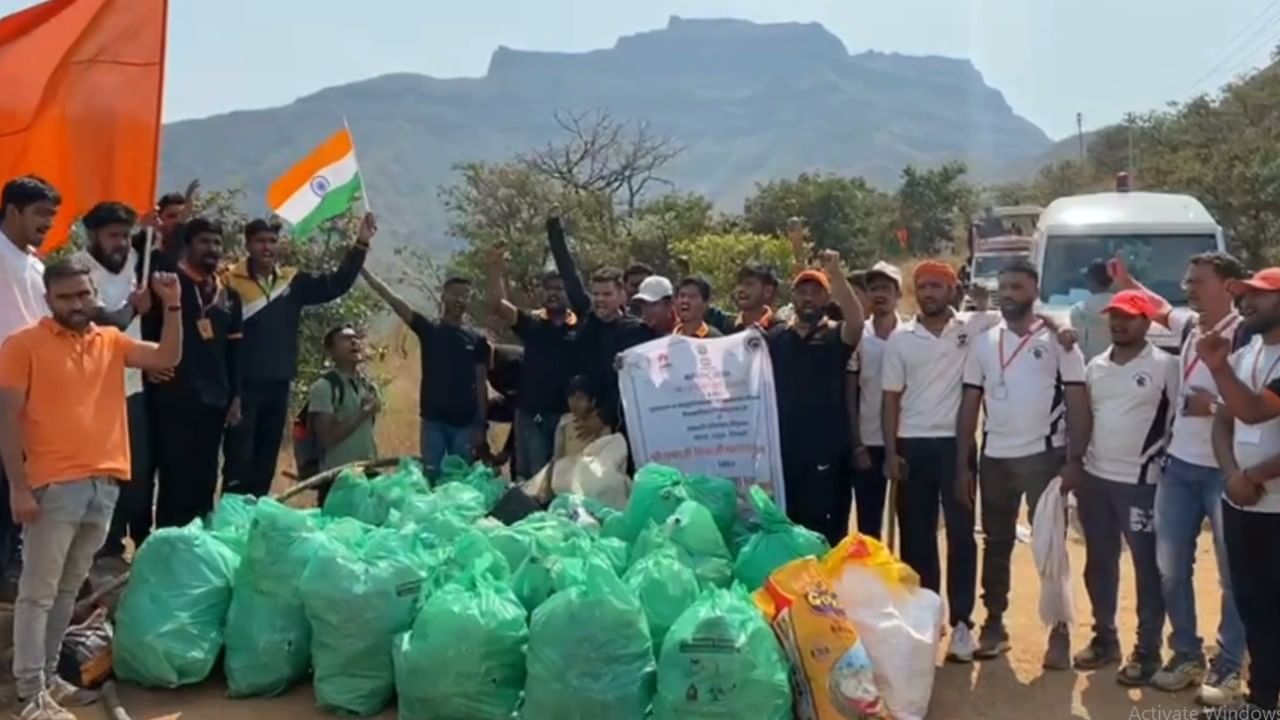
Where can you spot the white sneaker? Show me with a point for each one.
(1221, 689)
(68, 695)
(962, 645)
(42, 707)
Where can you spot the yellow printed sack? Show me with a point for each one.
(830, 670)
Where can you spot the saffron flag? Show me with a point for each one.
(324, 185)
(82, 86)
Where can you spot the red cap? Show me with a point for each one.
(1266, 280)
(1133, 302)
(814, 276)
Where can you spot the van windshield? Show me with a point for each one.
(989, 266)
(1157, 261)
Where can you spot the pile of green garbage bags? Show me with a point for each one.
(401, 587)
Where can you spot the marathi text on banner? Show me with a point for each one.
(705, 406)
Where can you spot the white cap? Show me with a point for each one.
(889, 270)
(655, 288)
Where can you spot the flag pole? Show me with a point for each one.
(364, 182)
(150, 234)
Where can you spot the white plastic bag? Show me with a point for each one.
(1049, 547)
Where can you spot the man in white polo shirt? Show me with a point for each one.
(1133, 387)
(884, 290)
(1033, 393)
(1246, 438)
(1191, 486)
(27, 207)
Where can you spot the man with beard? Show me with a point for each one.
(27, 207)
(1191, 486)
(923, 363)
(655, 304)
(1027, 385)
(198, 400)
(547, 366)
(605, 329)
(693, 298)
(453, 395)
(884, 290)
(754, 295)
(810, 356)
(65, 449)
(1246, 434)
(123, 300)
(274, 298)
(1133, 386)
(171, 211)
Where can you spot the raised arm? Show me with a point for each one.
(396, 303)
(843, 295)
(499, 305)
(1244, 404)
(579, 300)
(317, 289)
(1122, 280)
(167, 353)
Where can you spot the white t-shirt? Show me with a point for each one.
(1133, 407)
(114, 290)
(1022, 379)
(1192, 439)
(21, 288)
(1258, 365)
(868, 362)
(927, 370)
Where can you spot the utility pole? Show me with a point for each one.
(1080, 135)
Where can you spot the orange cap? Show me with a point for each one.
(815, 276)
(1266, 280)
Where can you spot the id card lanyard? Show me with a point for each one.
(1001, 390)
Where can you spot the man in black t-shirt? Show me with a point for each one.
(454, 391)
(810, 355)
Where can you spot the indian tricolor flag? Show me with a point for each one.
(324, 185)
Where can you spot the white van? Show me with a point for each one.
(1157, 233)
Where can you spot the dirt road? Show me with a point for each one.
(1007, 689)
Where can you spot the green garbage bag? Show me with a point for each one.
(359, 592)
(720, 496)
(353, 496)
(482, 479)
(169, 625)
(452, 469)
(590, 656)
(665, 587)
(230, 520)
(444, 515)
(721, 660)
(532, 582)
(657, 492)
(613, 550)
(268, 637)
(778, 542)
(465, 658)
(395, 488)
(582, 510)
(694, 533)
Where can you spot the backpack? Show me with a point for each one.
(307, 452)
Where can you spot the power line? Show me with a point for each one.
(1261, 26)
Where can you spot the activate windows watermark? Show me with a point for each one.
(1182, 713)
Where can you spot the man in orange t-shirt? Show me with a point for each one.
(65, 446)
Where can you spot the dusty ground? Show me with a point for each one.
(1011, 688)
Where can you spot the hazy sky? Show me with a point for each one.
(1051, 58)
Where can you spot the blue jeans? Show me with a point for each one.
(1185, 496)
(439, 440)
(535, 441)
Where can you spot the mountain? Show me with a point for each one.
(748, 102)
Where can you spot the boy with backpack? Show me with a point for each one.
(335, 426)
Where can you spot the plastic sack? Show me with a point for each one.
(590, 656)
(532, 583)
(396, 488)
(1049, 548)
(453, 469)
(832, 678)
(721, 660)
(230, 520)
(657, 492)
(665, 587)
(359, 592)
(718, 495)
(268, 636)
(693, 531)
(778, 542)
(899, 622)
(169, 625)
(483, 480)
(581, 510)
(352, 496)
(466, 655)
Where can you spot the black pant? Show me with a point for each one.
(252, 447)
(930, 475)
(134, 510)
(869, 487)
(1253, 555)
(818, 495)
(188, 437)
(1005, 484)
(10, 534)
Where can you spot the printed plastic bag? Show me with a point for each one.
(665, 587)
(779, 542)
(899, 622)
(169, 625)
(694, 533)
(831, 671)
(268, 636)
(590, 656)
(721, 660)
(1049, 547)
(359, 592)
(466, 655)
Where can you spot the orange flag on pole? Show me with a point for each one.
(81, 83)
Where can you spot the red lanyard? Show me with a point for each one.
(1004, 364)
(1253, 374)
(1189, 367)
